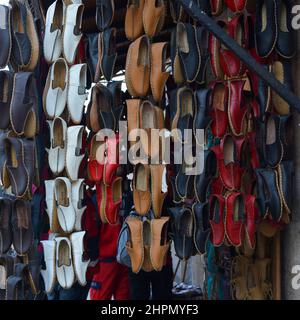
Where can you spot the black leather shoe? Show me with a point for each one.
(287, 137)
(263, 95)
(5, 225)
(6, 88)
(5, 36)
(92, 52)
(203, 36)
(104, 13)
(265, 27)
(285, 45)
(285, 175)
(115, 87)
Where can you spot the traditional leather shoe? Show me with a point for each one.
(64, 265)
(65, 210)
(6, 80)
(203, 41)
(159, 242)
(111, 160)
(104, 13)
(252, 218)
(283, 73)
(53, 39)
(80, 264)
(15, 288)
(146, 229)
(56, 89)
(5, 225)
(158, 188)
(134, 19)
(153, 16)
(201, 230)
(285, 176)
(118, 110)
(58, 145)
(182, 110)
(133, 115)
(74, 154)
(49, 274)
(22, 226)
(99, 114)
(24, 105)
(285, 45)
(235, 218)
(137, 73)
(7, 270)
(107, 54)
(141, 189)
(268, 193)
(265, 27)
(134, 245)
(78, 202)
(77, 92)
(158, 76)
(236, 5)
(287, 136)
(25, 42)
(238, 105)
(216, 219)
(217, 7)
(51, 205)
(72, 31)
(186, 62)
(219, 113)
(96, 159)
(5, 35)
(202, 181)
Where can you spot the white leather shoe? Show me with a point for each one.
(65, 210)
(80, 265)
(77, 91)
(53, 39)
(58, 145)
(49, 274)
(51, 205)
(64, 265)
(77, 201)
(56, 89)
(73, 157)
(72, 31)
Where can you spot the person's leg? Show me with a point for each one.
(139, 284)
(121, 291)
(162, 283)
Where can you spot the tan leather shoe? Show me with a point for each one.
(159, 242)
(158, 76)
(154, 16)
(133, 115)
(141, 189)
(158, 174)
(134, 19)
(137, 73)
(134, 245)
(147, 264)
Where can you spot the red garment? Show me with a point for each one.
(108, 240)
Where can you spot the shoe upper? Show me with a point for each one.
(5, 37)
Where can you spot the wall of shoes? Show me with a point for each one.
(78, 67)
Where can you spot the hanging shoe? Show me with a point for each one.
(153, 16)
(6, 236)
(65, 210)
(74, 154)
(56, 89)
(53, 39)
(134, 19)
(72, 31)
(80, 264)
(51, 205)
(252, 219)
(216, 219)
(202, 229)
(64, 265)
(5, 35)
(158, 188)
(118, 109)
(112, 200)
(146, 231)
(217, 7)
(105, 10)
(111, 159)
(77, 94)
(49, 274)
(96, 159)
(236, 6)
(7, 270)
(6, 81)
(78, 189)
(177, 12)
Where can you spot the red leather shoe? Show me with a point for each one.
(96, 160)
(252, 216)
(235, 218)
(216, 219)
(111, 162)
(218, 112)
(217, 7)
(236, 5)
(239, 102)
(253, 150)
(217, 186)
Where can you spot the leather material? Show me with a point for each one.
(286, 183)
(265, 27)
(183, 231)
(134, 19)
(6, 81)
(51, 205)
(6, 235)
(115, 87)
(202, 229)
(158, 76)
(236, 5)
(72, 31)
(177, 12)
(80, 264)
(153, 16)
(147, 264)
(137, 73)
(64, 264)
(105, 10)
(77, 94)
(203, 41)
(53, 39)
(96, 160)
(5, 35)
(78, 193)
(158, 194)
(263, 95)
(49, 274)
(111, 161)
(113, 200)
(22, 226)
(216, 219)
(24, 105)
(15, 288)
(92, 49)
(217, 7)
(252, 218)
(7, 266)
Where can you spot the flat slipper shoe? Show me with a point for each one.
(96, 159)
(217, 7)
(49, 273)
(134, 19)
(5, 35)
(236, 6)
(285, 176)
(147, 264)
(78, 193)
(51, 205)
(216, 219)
(6, 236)
(6, 81)
(105, 10)
(203, 41)
(158, 188)
(154, 16)
(6, 270)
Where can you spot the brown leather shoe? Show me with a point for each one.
(157, 192)
(141, 189)
(134, 19)
(134, 245)
(133, 115)
(154, 16)
(158, 76)
(5, 225)
(159, 242)
(24, 105)
(6, 82)
(137, 73)
(147, 264)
